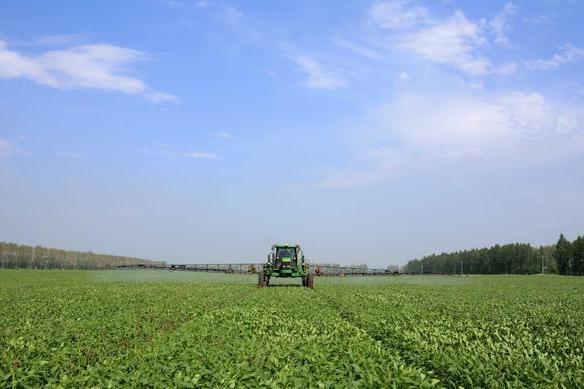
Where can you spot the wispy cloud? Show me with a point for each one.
(199, 155)
(454, 40)
(6, 148)
(463, 121)
(359, 48)
(98, 66)
(403, 76)
(416, 133)
(464, 153)
(500, 24)
(397, 14)
(567, 54)
(539, 20)
(457, 40)
(425, 128)
(317, 76)
(59, 39)
(75, 155)
(223, 135)
(167, 151)
(188, 3)
(370, 167)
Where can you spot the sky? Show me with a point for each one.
(366, 131)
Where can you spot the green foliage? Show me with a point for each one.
(563, 254)
(171, 329)
(570, 256)
(14, 256)
(578, 256)
(515, 258)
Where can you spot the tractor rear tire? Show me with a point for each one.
(262, 282)
(310, 280)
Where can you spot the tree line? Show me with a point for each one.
(569, 256)
(516, 258)
(13, 256)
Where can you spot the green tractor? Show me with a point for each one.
(286, 261)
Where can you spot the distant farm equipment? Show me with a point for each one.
(318, 269)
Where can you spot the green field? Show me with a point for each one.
(161, 329)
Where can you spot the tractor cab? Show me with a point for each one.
(286, 257)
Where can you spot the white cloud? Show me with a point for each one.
(396, 14)
(403, 76)
(59, 39)
(464, 153)
(14, 65)
(359, 48)
(419, 132)
(453, 41)
(188, 3)
(165, 150)
(452, 121)
(200, 155)
(159, 97)
(99, 66)
(370, 167)
(539, 20)
(317, 77)
(567, 54)
(476, 121)
(223, 135)
(72, 155)
(6, 148)
(233, 14)
(505, 69)
(500, 24)
(350, 178)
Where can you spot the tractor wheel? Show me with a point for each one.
(303, 280)
(262, 279)
(310, 280)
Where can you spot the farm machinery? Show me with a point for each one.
(286, 261)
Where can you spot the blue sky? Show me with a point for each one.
(367, 131)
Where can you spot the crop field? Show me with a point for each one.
(161, 329)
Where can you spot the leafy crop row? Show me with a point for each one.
(75, 329)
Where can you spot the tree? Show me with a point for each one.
(22, 256)
(514, 258)
(578, 256)
(563, 254)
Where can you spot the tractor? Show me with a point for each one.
(286, 261)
